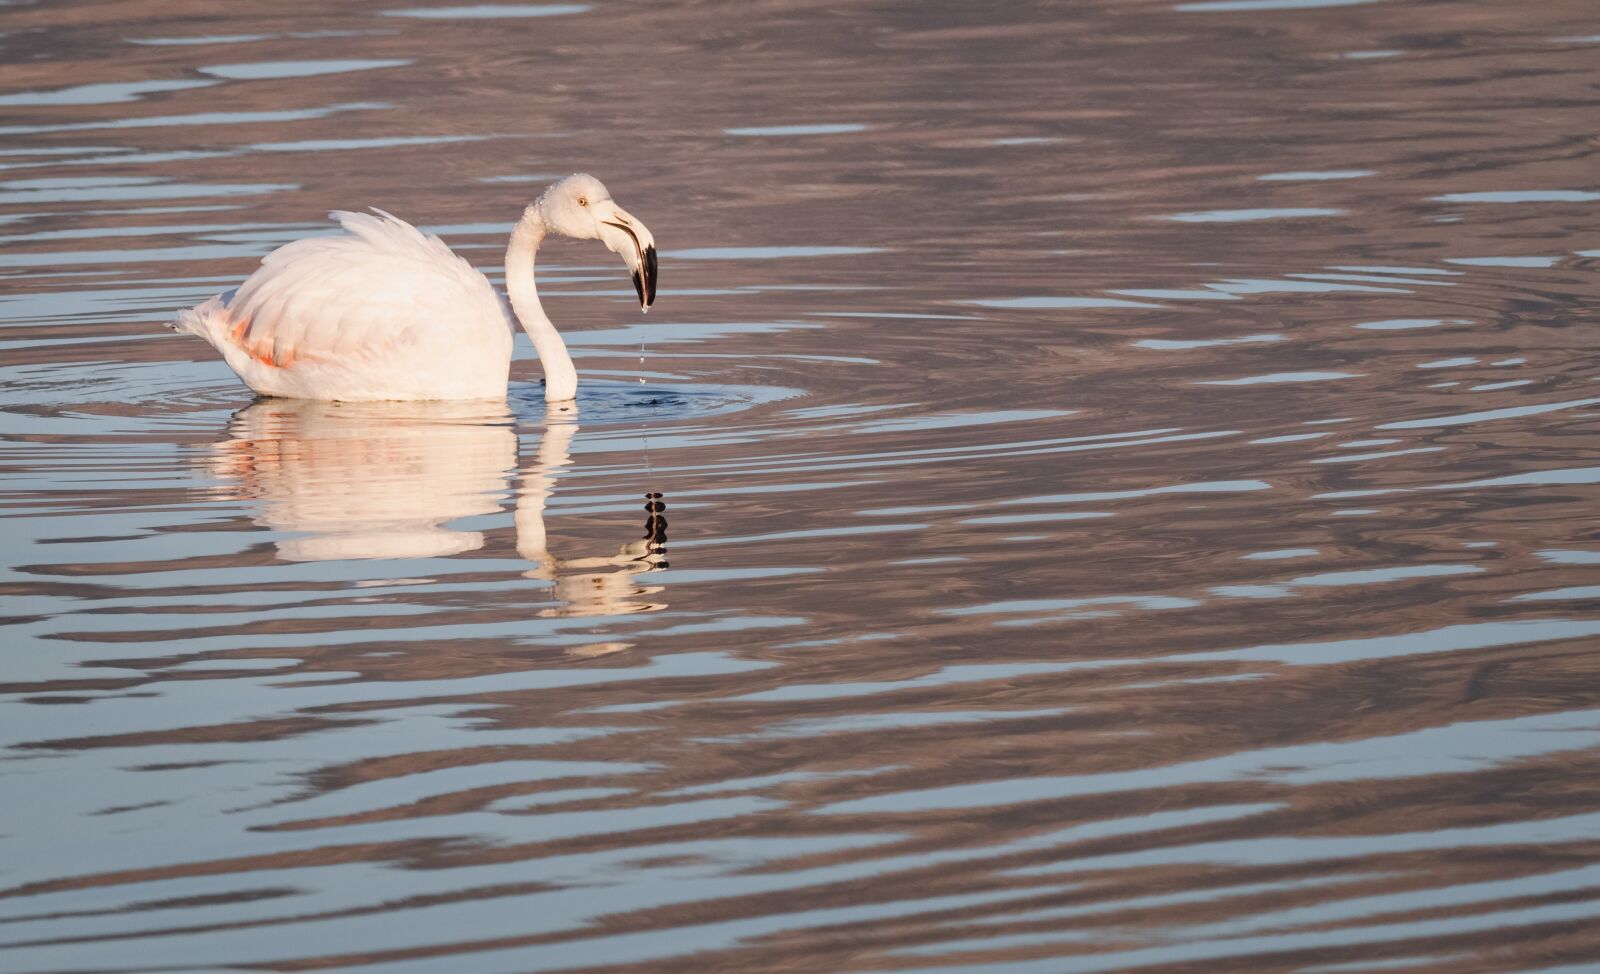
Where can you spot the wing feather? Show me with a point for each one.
(380, 284)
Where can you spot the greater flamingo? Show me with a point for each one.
(385, 311)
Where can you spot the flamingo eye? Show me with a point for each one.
(582, 201)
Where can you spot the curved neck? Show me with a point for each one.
(560, 378)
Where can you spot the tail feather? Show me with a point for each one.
(208, 320)
(189, 321)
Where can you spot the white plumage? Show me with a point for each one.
(385, 311)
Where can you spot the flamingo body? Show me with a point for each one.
(382, 311)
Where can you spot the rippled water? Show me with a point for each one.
(1109, 486)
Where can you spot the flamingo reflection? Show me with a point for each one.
(386, 480)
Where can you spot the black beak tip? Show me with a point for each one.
(644, 279)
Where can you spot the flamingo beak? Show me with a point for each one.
(637, 248)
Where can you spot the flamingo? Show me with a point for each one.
(385, 311)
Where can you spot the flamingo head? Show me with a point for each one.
(580, 206)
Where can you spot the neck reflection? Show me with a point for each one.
(585, 586)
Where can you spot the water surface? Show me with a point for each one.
(1106, 487)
